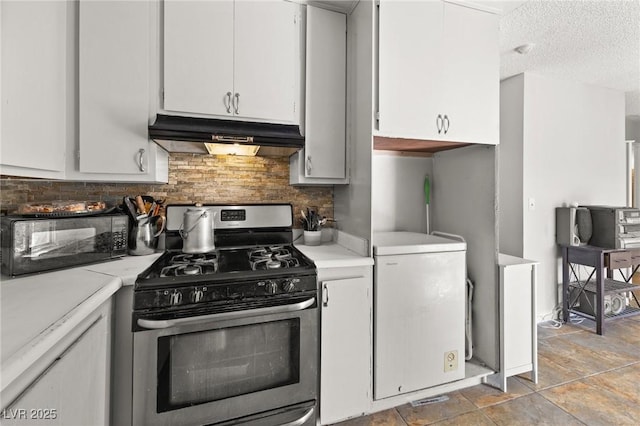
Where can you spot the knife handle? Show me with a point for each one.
(140, 204)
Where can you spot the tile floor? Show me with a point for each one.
(583, 379)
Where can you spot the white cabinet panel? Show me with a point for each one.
(115, 50)
(74, 389)
(410, 52)
(235, 59)
(324, 157)
(265, 63)
(325, 94)
(33, 88)
(472, 77)
(518, 328)
(345, 370)
(198, 56)
(438, 72)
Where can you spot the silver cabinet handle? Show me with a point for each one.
(236, 103)
(446, 124)
(141, 160)
(439, 123)
(325, 295)
(309, 165)
(161, 324)
(227, 102)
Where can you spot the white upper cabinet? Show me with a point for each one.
(233, 59)
(410, 50)
(472, 75)
(438, 72)
(323, 159)
(33, 88)
(115, 49)
(198, 56)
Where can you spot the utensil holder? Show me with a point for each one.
(312, 238)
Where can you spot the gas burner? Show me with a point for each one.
(274, 264)
(192, 270)
(272, 257)
(194, 258)
(275, 252)
(191, 264)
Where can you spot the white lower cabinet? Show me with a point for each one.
(345, 367)
(518, 327)
(74, 389)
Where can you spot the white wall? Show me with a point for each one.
(510, 199)
(573, 149)
(397, 199)
(352, 203)
(464, 203)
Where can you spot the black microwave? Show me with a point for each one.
(40, 244)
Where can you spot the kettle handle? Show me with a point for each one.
(185, 234)
(155, 219)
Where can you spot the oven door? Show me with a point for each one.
(255, 366)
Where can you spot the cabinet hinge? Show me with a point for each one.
(78, 154)
(294, 106)
(378, 115)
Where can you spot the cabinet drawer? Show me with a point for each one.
(624, 259)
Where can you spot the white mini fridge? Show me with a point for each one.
(419, 311)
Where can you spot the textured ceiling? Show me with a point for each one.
(594, 42)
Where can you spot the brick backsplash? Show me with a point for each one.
(192, 178)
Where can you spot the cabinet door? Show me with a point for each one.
(74, 389)
(114, 73)
(33, 88)
(265, 62)
(345, 349)
(325, 94)
(198, 56)
(410, 55)
(472, 77)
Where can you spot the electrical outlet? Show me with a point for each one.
(450, 361)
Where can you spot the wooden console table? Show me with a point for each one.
(602, 260)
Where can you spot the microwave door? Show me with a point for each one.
(53, 243)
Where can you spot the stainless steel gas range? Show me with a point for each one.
(229, 336)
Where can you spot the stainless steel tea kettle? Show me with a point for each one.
(197, 230)
(142, 238)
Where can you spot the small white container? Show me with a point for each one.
(312, 238)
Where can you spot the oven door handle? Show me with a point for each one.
(160, 324)
(302, 420)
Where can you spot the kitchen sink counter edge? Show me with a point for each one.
(38, 311)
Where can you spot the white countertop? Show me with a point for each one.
(126, 268)
(37, 311)
(333, 255)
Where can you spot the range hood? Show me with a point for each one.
(212, 136)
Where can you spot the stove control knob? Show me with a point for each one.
(288, 286)
(175, 298)
(197, 295)
(270, 287)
